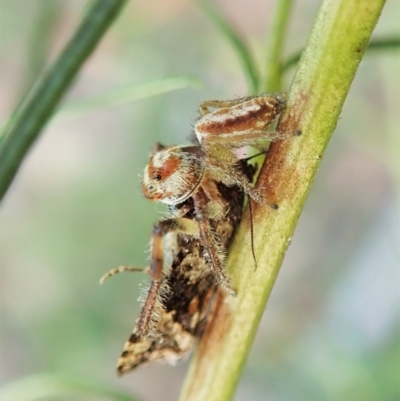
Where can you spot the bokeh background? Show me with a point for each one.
(331, 329)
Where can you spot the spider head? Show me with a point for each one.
(172, 175)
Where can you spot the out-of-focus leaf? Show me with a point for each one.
(276, 41)
(47, 386)
(40, 38)
(238, 44)
(38, 105)
(119, 97)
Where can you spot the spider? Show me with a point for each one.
(176, 173)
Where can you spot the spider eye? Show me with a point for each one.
(157, 177)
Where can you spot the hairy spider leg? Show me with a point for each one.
(163, 227)
(215, 251)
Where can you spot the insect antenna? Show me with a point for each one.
(120, 269)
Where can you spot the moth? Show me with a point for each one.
(184, 299)
(204, 185)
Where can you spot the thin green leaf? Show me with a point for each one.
(238, 44)
(273, 81)
(34, 111)
(47, 386)
(120, 97)
(39, 40)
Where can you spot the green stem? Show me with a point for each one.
(390, 43)
(34, 111)
(273, 82)
(329, 62)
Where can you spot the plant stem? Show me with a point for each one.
(34, 111)
(381, 44)
(329, 62)
(273, 82)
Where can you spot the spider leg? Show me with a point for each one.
(222, 167)
(215, 252)
(219, 104)
(163, 227)
(205, 106)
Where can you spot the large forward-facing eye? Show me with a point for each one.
(172, 175)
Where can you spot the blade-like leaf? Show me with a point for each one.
(47, 386)
(276, 40)
(119, 97)
(34, 111)
(238, 44)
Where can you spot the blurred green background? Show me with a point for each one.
(332, 327)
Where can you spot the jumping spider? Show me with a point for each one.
(176, 174)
